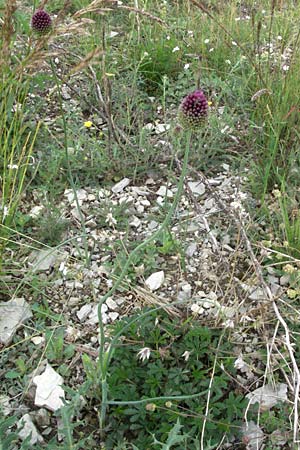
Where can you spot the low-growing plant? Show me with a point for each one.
(160, 372)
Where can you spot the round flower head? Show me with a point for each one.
(193, 110)
(41, 22)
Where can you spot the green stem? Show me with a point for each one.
(103, 355)
(155, 399)
(70, 175)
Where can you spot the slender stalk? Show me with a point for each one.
(70, 175)
(105, 356)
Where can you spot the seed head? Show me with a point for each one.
(41, 22)
(193, 110)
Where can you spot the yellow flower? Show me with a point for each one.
(151, 407)
(291, 293)
(88, 124)
(288, 268)
(209, 103)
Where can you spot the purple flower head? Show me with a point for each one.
(41, 22)
(193, 110)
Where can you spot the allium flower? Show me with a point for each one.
(41, 22)
(193, 110)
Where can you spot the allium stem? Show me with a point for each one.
(105, 357)
(70, 175)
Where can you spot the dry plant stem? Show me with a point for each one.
(106, 107)
(104, 356)
(259, 273)
(7, 31)
(86, 250)
(208, 398)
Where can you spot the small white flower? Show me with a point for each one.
(12, 166)
(211, 50)
(228, 61)
(110, 219)
(263, 11)
(226, 128)
(285, 67)
(186, 66)
(229, 323)
(237, 19)
(168, 38)
(186, 355)
(279, 38)
(62, 268)
(234, 43)
(175, 49)
(206, 41)
(144, 353)
(5, 212)
(190, 33)
(236, 205)
(146, 54)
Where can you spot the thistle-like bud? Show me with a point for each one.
(193, 110)
(41, 22)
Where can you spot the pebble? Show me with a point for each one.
(163, 191)
(83, 313)
(135, 222)
(196, 187)
(111, 303)
(155, 280)
(152, 225)
(195, 308)
(113, 316)
(192, 248)
(120, 186)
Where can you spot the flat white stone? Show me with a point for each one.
(268, 395)
(152, 225)
(93, 316)
(162, 127)
(6, 409)
(191, 249)
(84, 311)
(140, 191)
(135, 222)
(163, 191)
(49, 392)
(35, 212)
(196, 187)
(253, 435)
(81, 194)
(12, 314)
(27, 428)
(113, 34)
(149, 126)
(37, 340)
(113, 316)
(197, 309)
(43, 260)
(120, 186)
(155, 280)
(111, 304)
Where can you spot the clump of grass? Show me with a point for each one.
(158, 58)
